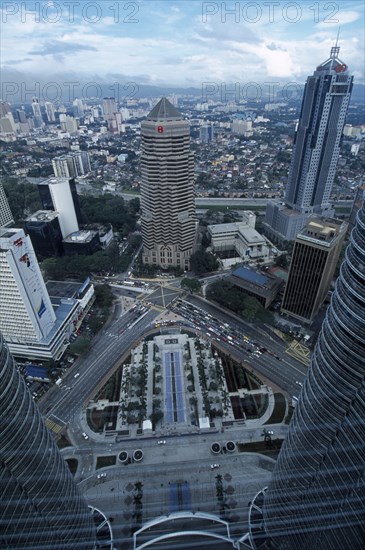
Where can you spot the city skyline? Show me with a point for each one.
(207, 41)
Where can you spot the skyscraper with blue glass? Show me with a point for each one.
(316, 149)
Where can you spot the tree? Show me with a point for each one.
(80, 346)
(203, 262)
(191, 283)
(281, 261)
(156, 416)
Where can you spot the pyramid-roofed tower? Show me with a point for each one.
(167, 188)
(164, 111)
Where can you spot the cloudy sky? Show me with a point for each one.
(180, 42)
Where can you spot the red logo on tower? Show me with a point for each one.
(341, 68)
(160, 129)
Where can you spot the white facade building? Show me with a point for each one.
(71, 165)
(50, 112)
(60, 193)
(26, 312)
(241, 237)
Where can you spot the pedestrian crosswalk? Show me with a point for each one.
(51, 425)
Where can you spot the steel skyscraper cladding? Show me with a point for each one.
(317, 494)
(41, 507)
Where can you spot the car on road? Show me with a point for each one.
(85, 435)
(161, 442)
(213, 466)
(76, 375)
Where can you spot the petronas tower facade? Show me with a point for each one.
(316, 498)
(41, 508)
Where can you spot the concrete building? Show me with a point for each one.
(71, 165)
(78, 108)
(241, 238)
(262, 287)
(21, 116)
(50, 112)
(242, 127)
(167, 188)
(44, 229)
(106, 236)
(316, 149)
(206, 133)
(60, 194)
(32, 325)
(36, 108)
(81, 242)
(69, 124)
(41, 507)
(4, 108)
(317, 493)
(26, 311)
(109, 108)
(315, 255)
(6, 217)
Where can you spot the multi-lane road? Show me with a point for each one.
(64, 404)
(274, 364)
(89, 372)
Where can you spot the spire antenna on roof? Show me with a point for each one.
(335, 50)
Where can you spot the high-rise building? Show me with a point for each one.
(44, 230)
(7, 124)
(69, 124)
(315, 255)
(4, 108)
(78, 108)
(206, 133)
(30, 325)
(317, 493)
(50, 112)
(167, 188)
(71, 165)
(41, 507)
(21, 116)
(6, 217)
(36, 108)
(109, 108)
(316, 150)
(60, 194)
(26, 311)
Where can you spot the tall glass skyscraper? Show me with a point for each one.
(316, 149)
(316, 498)
(41, 508)
(167, 188)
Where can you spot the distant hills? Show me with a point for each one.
(18, 87)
